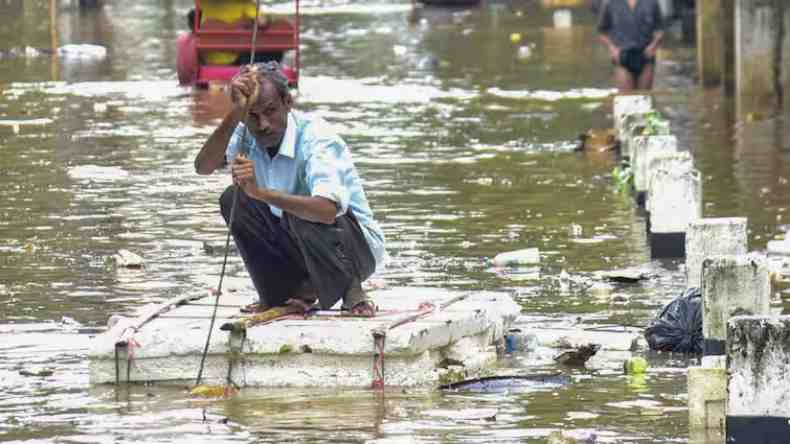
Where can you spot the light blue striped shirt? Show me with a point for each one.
(312, 161)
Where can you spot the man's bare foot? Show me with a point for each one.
(304, 305)
(255, 307)
(364, 309)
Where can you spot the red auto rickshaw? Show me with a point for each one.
(279, 39)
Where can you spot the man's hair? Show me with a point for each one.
(272, 72)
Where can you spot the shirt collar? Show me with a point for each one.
(288, 145)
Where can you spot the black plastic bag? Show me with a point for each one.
(679, 326)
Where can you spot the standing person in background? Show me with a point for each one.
(632, 30)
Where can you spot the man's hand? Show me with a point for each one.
(614, 53)
(244, 90)
(243, 172)
(650, 51)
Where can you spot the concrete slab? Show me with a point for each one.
(325, 350)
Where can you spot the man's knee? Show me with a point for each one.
(226, 201)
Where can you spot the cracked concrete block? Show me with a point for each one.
(758, 354)
(675, 198)
(625, 105)
(712, 237)
(733, 286)
(644, 149)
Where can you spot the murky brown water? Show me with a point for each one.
(466, 150)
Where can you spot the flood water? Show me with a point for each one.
(466, 145)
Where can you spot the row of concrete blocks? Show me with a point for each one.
(741, 393)
(666, 183)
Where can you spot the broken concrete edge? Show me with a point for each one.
(467, 358)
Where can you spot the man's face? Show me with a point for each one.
(268, 117)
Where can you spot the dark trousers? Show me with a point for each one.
(282, 254)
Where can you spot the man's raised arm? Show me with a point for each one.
(244, 92)
(212, 155)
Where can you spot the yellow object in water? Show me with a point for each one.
(212, 391)
(515, 37)
(636, 365)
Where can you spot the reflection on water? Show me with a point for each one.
(465, 141)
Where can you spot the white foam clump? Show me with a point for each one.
(83, 51)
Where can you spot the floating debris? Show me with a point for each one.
(597, 140)
(493, 384)
(577, 357)
(574, 437)
(82, 52)
(465, 414)
(635, 365)
(40, 373)
(213, 391)
(219, 248)
(127, 259)
(527, 256)
(625, 275)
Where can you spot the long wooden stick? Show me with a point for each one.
(233, 205)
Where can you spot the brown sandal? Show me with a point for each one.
(364, 309)
(303, 304)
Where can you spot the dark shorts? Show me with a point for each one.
(283, 253)
(635, 61)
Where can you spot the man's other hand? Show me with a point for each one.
(243, 173)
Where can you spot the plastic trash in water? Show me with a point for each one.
(635, 366)
(563, 18)
(517, 340)
(83, 51)
(527, 256)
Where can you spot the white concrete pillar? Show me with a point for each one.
(675, 196)
(658, 160)
(629, 104)
(707, 397)
(675, 199)
(643, 150)
(632, 128)
(758, 33)
(732, 286)
(758, 355)
(712, 237)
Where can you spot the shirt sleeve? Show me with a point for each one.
(605, 18)
(326, 168)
